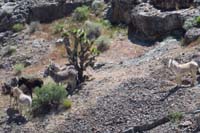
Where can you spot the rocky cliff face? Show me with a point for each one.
(120, 12)
(51, 11)
(13, 12)
(41, 10)
(154, 19)
(172, 4)
(150, 24)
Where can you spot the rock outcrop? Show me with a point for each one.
(150, 24)
(51, 11)
(120, 11)
(152, 20)
(191, 35)
(13, 12)
(23, 11)
(172, 4)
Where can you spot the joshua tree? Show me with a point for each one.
(81, 53)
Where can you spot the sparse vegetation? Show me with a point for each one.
(48, 97)
(18, 68)
(18, 27)
(58, 28)
(103, 43)
(105, 23)
(93, 29)
(198, 20)
(189, 23)
(81, 53)
(81, 13)
(67, 103)
(10, 50)
(175, 116)
(34, 26)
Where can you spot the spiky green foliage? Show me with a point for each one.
(81, 53)
(47, 97)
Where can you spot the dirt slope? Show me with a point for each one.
(131, 88)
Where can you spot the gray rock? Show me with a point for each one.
(150, 24)
(47, 12)
(191, 35)
(172, 4)
(23, 11)
(120, 11)
(130, 130)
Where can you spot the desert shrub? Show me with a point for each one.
(9, 51)
(198, 20)
(58, 28)
(67, 103)
(18, 68)
(175, 116)
(97, 6)
(93, 29)
(81, 52)
(33, 27)
(81, 13)
(189, 23)
(105, 23)
(18, 27)
(48, 97)
(102, 43)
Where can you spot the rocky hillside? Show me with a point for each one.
(130, 87)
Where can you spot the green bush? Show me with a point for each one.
(48, 97)
(103, 43)
(9, 50)
(198, 20)
(18, 68)
(58, 28)
(175, 116)
(93, 29)
(67, 103)
(105, 23)
(81, 13)
(18, 27)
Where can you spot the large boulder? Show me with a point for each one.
(47, 12)
(172, 4)
(150, 24)
(120, 10)
(13, 12)
(23, 11)
(191, 35)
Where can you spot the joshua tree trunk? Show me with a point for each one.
(80, 55)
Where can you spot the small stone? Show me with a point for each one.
(185, 124)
